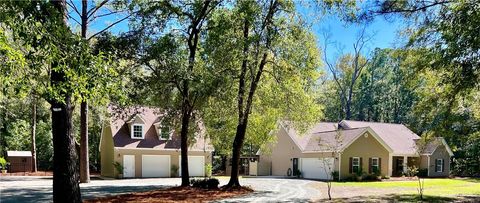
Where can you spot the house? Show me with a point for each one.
(145, 146)
(20, 161)
(355, 147)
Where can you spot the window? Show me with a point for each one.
(164, 133)
(355, 164)
(438, 165)
(137, 131)
(375, 165)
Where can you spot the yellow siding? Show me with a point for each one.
(366, 146)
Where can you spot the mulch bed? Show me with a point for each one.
(38, 173)
(175, 194)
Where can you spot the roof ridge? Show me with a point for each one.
(374, 122)
(337, 130)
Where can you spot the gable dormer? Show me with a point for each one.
(136, 124)
(164, 132)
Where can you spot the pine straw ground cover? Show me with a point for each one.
(174, 194)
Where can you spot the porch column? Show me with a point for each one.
(405, 162)
(390, 165)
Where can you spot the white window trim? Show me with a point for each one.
(353, 163)
(437, 164)
(143, 131)
(160, 134)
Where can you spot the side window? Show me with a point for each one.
(375, 165)
(438, 165)
(355, 164)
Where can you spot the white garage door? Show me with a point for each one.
(155, 165)
(196, 165)
(317, 168)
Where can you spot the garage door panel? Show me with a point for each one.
(156, 166)
(196, 165)
(317, 168)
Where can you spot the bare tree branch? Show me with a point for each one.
(95, 9)
(72, 5)
(108, 27)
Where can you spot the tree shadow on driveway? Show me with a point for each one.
(44, 194)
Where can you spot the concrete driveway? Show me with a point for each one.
(39, 189)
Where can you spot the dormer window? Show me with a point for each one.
(137, 131)
(164, 133)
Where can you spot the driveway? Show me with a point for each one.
(39, 189)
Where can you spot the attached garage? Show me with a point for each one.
(317, 168)
(196, 165)
(128, 166)
(155, 166)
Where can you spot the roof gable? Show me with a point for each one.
(122, 117)
(397, 136)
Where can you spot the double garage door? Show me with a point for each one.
(317, 168)
(160, 165)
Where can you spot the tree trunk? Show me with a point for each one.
(84, 162)
(237, 146)
(65, 175)
(184, 144)
(34, 128)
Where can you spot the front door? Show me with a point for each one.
(399, 166)
(295, 166)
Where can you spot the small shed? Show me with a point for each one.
(20, 161)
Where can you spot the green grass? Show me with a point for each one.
(433, 187)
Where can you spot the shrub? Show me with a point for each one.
(370, 177)
(118, 167)
(352, 177)
(174, 170)
(335, 175)
(206, 183)
(385, 177)
(3, 163)
(208, 170)
(411, 171)
(422, 172)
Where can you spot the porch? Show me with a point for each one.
(401, 163)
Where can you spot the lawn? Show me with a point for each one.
(433, 187)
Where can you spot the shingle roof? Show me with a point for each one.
(397, 136)
(121, 133)
(332, 140)
(322, 136)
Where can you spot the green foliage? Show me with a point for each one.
(3, 163)
(208, 170)
(411, 171)
(206, 183)
(174, 170)
(285, 90)
(118, 167)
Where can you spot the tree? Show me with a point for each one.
(335, 148)
(87, 15)
(347, 71)
(188, 87)
(268, 70)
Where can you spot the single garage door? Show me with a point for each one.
(317, 168)
(155, 165)
(196, 165)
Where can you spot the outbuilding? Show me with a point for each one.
(20, 161)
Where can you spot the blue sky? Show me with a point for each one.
(342, 34)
